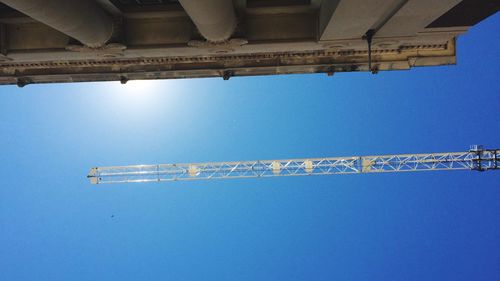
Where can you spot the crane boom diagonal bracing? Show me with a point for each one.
(475, 159)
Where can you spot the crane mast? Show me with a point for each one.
(477, 158)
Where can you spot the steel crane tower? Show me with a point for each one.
(477, 158)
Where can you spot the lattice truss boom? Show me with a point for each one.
(477, 159)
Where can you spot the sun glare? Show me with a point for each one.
(141, 96)
(139, 88)
(136, 92)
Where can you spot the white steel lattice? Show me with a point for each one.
(472, 160)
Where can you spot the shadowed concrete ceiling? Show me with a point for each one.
(45, 41)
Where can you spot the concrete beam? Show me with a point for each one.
(215, 19)
(109, 7)
(348, 19)
(212, 66)
(414, 16)
(83, 20)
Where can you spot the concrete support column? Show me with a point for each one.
(83, 20)
(215, 19)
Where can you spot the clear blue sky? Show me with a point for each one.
(54, 225)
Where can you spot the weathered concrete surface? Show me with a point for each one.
(271, 37)
(83, 20)
(215, 19)
(352, 18)
(414, 16)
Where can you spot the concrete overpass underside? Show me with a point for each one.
(45, 41)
